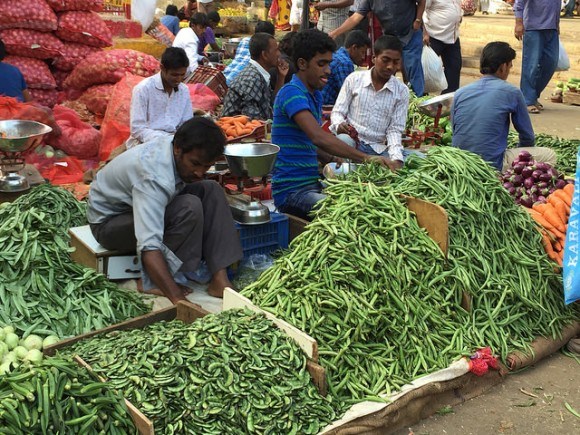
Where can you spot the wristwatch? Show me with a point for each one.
(418, 21)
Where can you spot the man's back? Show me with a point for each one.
(249, 94)
(481, 116)
(11, 81)
(340, 68)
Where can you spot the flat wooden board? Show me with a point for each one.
(433, 218)
(571, 98)
(233, 299)
(296, 226)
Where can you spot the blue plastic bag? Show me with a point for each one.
(572, 248)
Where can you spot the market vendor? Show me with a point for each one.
(242, 57)
(482, 110)
(297, 129)
(12, 83)
(374, 103)
(208, 36)
(161, 103)
(250, 93)
(153, 198)
(189, 39)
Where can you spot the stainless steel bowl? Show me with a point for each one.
(230, 46)
(251, 159)
(431, 106)
(331, 171)
(17, 136)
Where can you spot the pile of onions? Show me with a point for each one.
(530, 182)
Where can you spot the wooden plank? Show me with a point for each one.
(433, 218)
(295, 226)
(233, 299)
(318, 375)
(571, 98)
(188, 312)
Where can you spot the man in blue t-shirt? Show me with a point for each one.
(297, 129)
(12, 82)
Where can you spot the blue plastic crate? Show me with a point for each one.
(264, 238)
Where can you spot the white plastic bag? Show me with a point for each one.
(563, 60)
(435, 80)
(143, 11)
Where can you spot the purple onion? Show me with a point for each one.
(518, 168)
(560, 184)
(545, 177)
(517, 180)
(543, 185)
(526, 201)
(529, 183)
(527, 172)
(512, 191)
(541, 199)
(536, 174)
(543, 166)
(524, 156)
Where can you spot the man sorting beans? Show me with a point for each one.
(153, 198)
(297, 128)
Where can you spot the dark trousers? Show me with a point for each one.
(451, 57)
(198, 224)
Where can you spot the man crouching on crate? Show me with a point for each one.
(153, 198)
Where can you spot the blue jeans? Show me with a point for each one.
(300, 202)
(539, 61)
(412, 62)
(367, 149)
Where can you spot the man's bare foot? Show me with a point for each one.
(153, 291)
(186, 290)
(219, 281)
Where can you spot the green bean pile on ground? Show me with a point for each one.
(42, 290)
(59, 397)
(368, 284)
(566, 149)
(234, 372)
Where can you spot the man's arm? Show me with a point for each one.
(340, 110)
(337, 5)
(156, 266)
(396, 128)
(419, 15)
(519, 14)
(522, 122)
(348, 25)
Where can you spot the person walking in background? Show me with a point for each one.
(332, 14)
(170, 19)
(205, 6)
(296, 15)
(484, 7)
(441, 21)
(537, 24)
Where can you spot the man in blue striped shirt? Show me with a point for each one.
(297, 129)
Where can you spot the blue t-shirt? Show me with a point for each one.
(171, 22)
(297, 163)
(481, 116)
(11, 81)
(340, 68)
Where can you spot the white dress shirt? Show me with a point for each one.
(188, 40)
(155, 113)
(442, 19)
(379, 117)
(261, 70)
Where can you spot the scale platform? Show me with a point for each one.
(32, 176)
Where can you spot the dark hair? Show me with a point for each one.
(358, 38)
(171, 10)
(265, 27)
(309, 43)
(174, 58)
(388, 42)
(494, 55)
(200, 133)
(287, 43)
(2, 50)
(259, 43)
(214, 16)
(198, 18)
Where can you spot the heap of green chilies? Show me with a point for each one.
(42, 290)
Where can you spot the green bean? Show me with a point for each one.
(565, 149)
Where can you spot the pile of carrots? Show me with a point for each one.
(237, 126)
(552, 216)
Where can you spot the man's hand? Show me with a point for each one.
(283, 68)
(337, 161)
(343, 128)
(393, 165)
(519, 29)
(333, 34)
(426, 40)
(204, 60)
(321, 6)
(417, 24)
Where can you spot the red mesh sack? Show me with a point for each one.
(59, 77)
(110, 66)
(96, 98)
(45, 97)
(203, 97)
(35, 72)
(11, 108)
(31, 43)
(115, 128)
(84, 27)
(64, 171)
(71, 55)
(27, 14)
(77, 138)
(77, 5)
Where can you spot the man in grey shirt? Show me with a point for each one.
(153, 198)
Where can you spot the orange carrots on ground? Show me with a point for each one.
(552, 217)
(236, 126)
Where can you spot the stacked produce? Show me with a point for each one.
(530, 182)
(236, 127)
(565, 149)
(42, 290)
(16, 351)
(234, 372)
(58, 396)
(379, 298)
(418, 124)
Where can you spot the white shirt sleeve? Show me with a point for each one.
(139, 120)
(396, 128)
(340, 109)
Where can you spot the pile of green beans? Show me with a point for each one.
(59, 397)
(566, 149)
(495, 252)
(234, 372)
(42, 290)
(368, 284)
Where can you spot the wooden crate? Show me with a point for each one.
(571, 98)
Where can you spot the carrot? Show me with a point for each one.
(551, 215)
(226, 119)
(557, 246)
(569, 189)
(539, 207)
(560, 206)
(564, 196)
(548, 247)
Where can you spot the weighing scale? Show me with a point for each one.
(245, 161)
(436, 107)
(17, 137)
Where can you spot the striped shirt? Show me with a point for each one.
(332, 18)
(378, 116)
(297, 163)
(340, 68)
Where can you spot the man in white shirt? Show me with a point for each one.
(161, 103)
(188, 39)
(374, 103)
